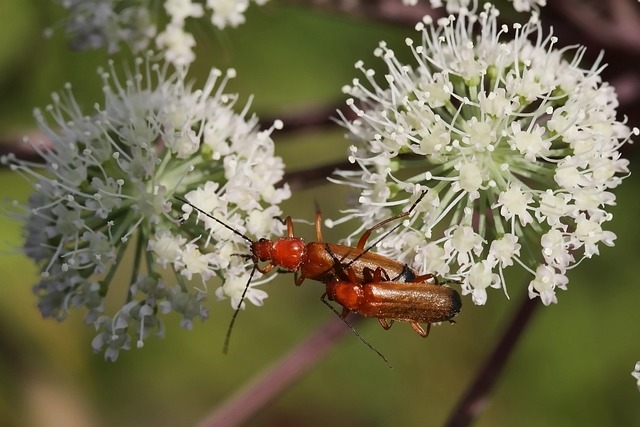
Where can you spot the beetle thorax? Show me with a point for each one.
(348, 295)
(289, 252)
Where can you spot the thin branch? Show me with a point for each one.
(310, 177)
(618, 29)
(15, 145)
(476, 398)
(389, 11)
(627, 87)
(315, 118)
(276, 379)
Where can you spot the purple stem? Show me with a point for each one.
(259, 393)
(474, 401)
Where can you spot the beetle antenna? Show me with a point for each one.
(350, 326)
(225, 347)
(338, 267)
(392, 230)
(224, 224)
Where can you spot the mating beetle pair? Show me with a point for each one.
(359, 280)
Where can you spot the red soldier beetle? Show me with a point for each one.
(423, 300)
(420, 301)
(316, 260)
(320, 261)
(414, 302)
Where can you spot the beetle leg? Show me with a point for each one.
(416, 327)
(380, 275)
(298, 278)
(345, 312)
(426, 278)
(386, 324)
(289, 223)
(367, 275)
(267, 268)
(365, 236)
(318, 225)
(351, 275)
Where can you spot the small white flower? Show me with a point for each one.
(554, 206)
(544, 284)
(234, 287)
(179, 10)
(227, 12)
(636, 374)
(470, 178)
(515, 203)
(261, 223)
(556, 249)
(109, 182)
(463, 244)
(433, 257)
(114, 338)
(167, 247)
(516, 146)
(527, 5)
(206, 199)
(176, 44)
(530, 143)
(505, 249)
(478, 279)
(589, 233)
(193, 262)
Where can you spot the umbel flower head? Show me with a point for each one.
(108, 186)
(515, 144)
(96, 23)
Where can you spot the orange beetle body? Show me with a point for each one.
(416, 302)
(323, 262)
(364, 282)
(286, 252)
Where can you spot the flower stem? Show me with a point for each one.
(474, 401)
(259, 393)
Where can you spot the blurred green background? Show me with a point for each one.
(572, 367)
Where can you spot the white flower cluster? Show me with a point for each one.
(109, 183)
(96, 23)
(178, 43)
(516, 146)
